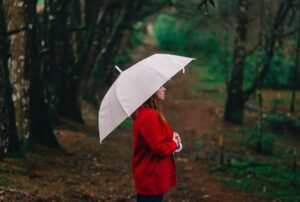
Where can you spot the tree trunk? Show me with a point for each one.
(234, 110)
(18, 15)
(68, 104)
(8, 132)
(296, 67)
(59, 58)
(41, 121)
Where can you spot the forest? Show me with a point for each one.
(237, 107)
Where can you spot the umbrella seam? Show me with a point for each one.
(123, 107)
(117, 95)
(181, 65)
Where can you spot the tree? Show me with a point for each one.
(8, 131)
(237, 96)
(235, 102)
(41, 119)
(121, 16)
(296, 67)
(66, 72)
(18, 17)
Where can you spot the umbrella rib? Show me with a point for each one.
(119, 100)
(181, 65)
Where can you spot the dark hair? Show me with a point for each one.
(152, 103)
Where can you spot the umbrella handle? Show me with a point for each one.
(180, 147)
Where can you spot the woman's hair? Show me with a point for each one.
(152, 103)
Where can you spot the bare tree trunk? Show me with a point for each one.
(234, 110)
(296, 67)
(19, 17)
(259, 85)
(41, 121)
(8, 132)
(60, 56)
(69, 105)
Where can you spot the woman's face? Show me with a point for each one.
(160, 93)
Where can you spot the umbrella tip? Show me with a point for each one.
(118, 69)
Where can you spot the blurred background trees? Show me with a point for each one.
(54, 50)
(56, 53)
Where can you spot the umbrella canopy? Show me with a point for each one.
(134, 86)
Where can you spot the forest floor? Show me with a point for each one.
(84, 170)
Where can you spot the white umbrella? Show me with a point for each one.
(134, 86)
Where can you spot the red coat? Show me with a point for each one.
(153, 165)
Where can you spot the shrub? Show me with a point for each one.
(182, 38)
(259, 140)
(279, 75)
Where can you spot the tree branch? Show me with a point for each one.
(205, 3)
(279, 19)
(289, 33)
(78, 28)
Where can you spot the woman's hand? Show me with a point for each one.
(176, 138)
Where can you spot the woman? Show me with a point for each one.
(154, 144)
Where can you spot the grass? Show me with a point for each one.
(4, 182)
(265, 180)
(267, 174)
(3, 168)
(209, 84)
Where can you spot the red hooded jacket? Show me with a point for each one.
(153, 165)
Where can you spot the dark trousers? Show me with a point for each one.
(151, 198)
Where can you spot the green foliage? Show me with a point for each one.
(279, 75)
(210, 83)
(3, 168)
(282, 123)
(40, 2)
(123, 59)
(127, 123)
(250, 68)
(209, 77)
(259, 140)
(199, 145)
(138, 33)
(182, 38)
(167, 33)
(264, 180)
(4, 181)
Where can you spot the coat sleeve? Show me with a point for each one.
(150, 130)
